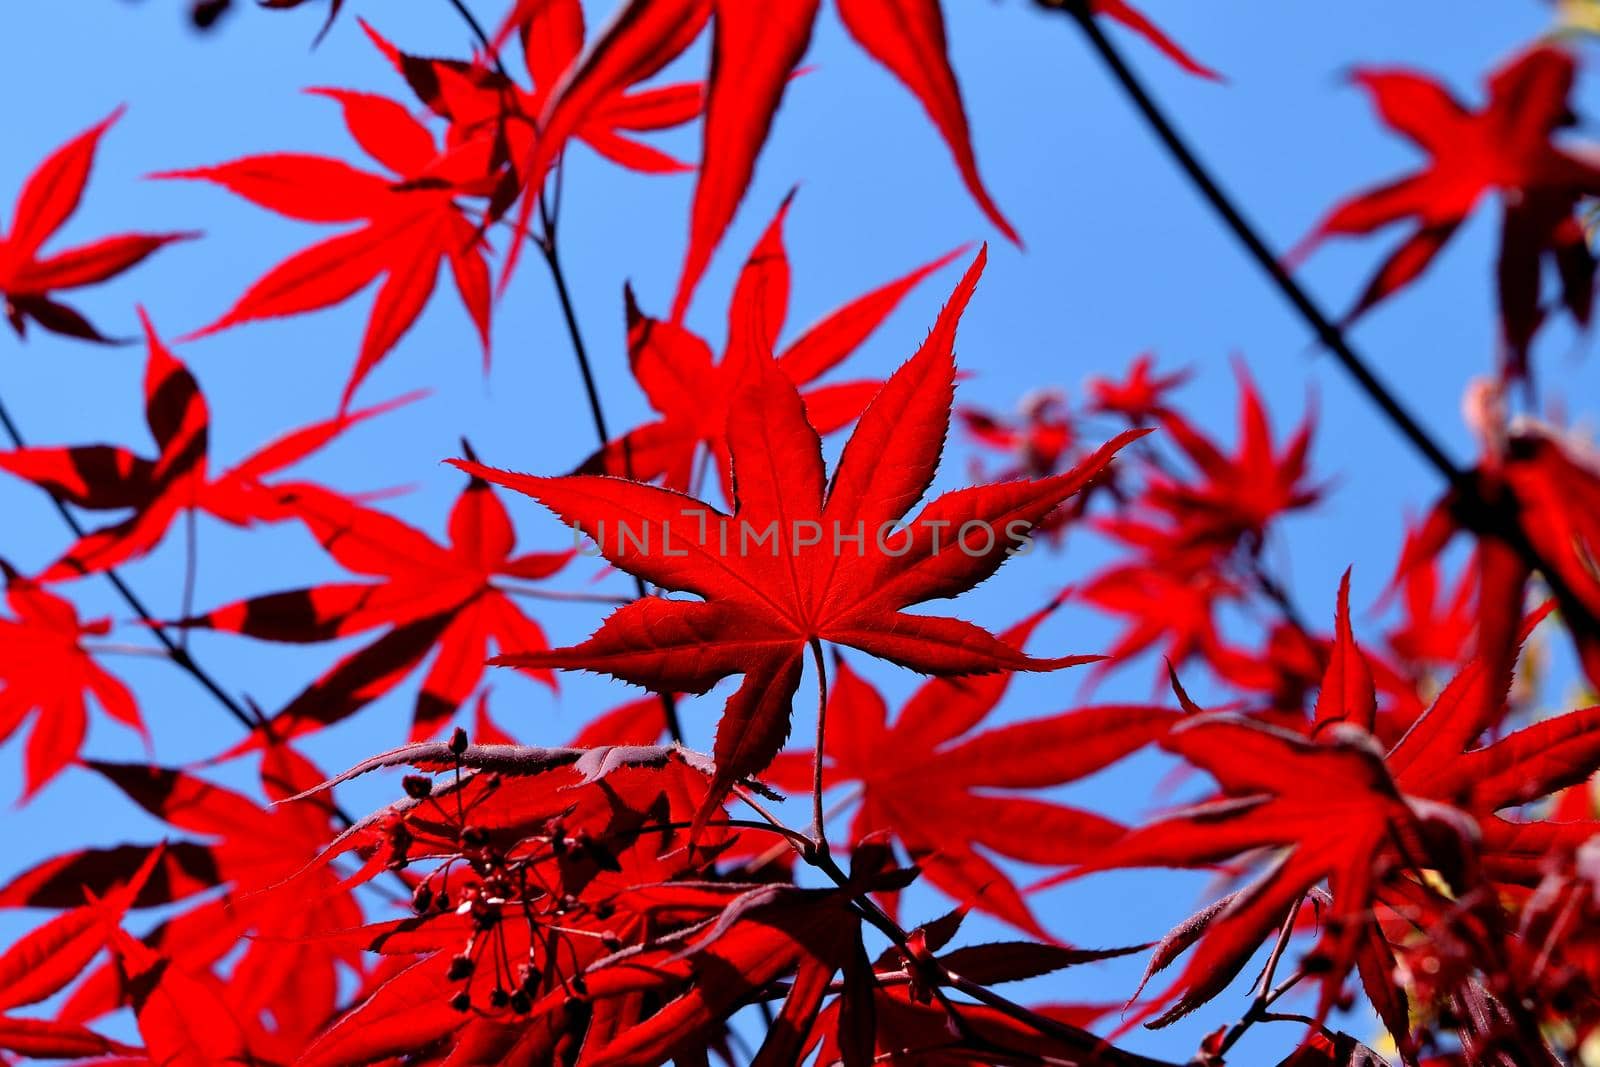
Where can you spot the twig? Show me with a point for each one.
(778, 849)
(1266, 993)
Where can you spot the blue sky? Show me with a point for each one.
(1121, 257)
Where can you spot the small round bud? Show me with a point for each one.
(461, 968)
(417, 786)
(520, 1003)
(422, 899)
(460, 1002)
(499, 998)
(458, 741)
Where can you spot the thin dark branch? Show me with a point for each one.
(552, 257)
(579, 350)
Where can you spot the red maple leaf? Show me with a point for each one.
(1506, 147)
(493, 119)
(576, 861)
(1437, 624)
(763, 605)
(1235, 498)
(951, 796)
(1141, 396)
(176, 480)
(1165, 605)
(1038, 439)
(45, 669)
(754, 53)
(1337, 807)
(48, 199)
(1548, 483)
(411, 227)
(427, 595)
(183, 1018)
(49, 958)
(902, 1024)
(231, 843)
(693, 392)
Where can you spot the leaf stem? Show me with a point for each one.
(563, 595)
(819, 833)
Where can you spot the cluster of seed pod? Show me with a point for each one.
(529, 935)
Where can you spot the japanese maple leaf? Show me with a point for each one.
(762, 605)
(1141, 396)
(177, 480)
(1038, 439)
(1235, 498)
(692, 391)
(1337, 808)
(426, 595)
(48, 199)
(183, 1018)
(1549, 484)
(232, 843)
(754, 52)
(951, 796)
(411, 226)
(51, 957)
(1437, 623)
(767, 933)
(1165, 605)
(46, 671)
(907, 1026)
(1506, 147)
(493, 118)
(581, 862)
